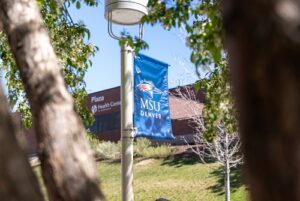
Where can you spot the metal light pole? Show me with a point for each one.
(126, 12)
(127, 129)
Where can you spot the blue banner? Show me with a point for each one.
(151, 99)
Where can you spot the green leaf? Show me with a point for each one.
(78, 5)
(197, 86)
(216, 54)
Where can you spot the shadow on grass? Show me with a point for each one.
(181, 159)
(236, 180)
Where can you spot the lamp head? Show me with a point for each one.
(125, 12)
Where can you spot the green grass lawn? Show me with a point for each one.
(181, 180)
(176, 180)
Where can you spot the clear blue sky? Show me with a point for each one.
(166, 46)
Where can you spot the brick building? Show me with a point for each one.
(106, 106)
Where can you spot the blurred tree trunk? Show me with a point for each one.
(262, 37)
(17, 181)
(67, 162)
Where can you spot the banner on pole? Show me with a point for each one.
(151, 99)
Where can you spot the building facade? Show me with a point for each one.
(106, 107)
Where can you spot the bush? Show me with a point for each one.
(108, 150)
(143, 148)
(162, 151)
(93, 140)
(140, 145)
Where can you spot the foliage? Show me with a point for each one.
(134, 42)
(108, 150)
(69, 40)
(202, 23)
(219, 106)
(143, 148)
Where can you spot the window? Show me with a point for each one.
(106, 122)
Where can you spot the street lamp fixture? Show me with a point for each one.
(126, 12)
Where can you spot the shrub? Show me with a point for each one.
(108, 150)
(162, 151)
(143, 148)
(140, 145)
(93, 140)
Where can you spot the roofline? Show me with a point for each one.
(120, 87)
(104, 90)
(182, 86)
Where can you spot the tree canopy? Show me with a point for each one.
(70, 41)
(202, 22)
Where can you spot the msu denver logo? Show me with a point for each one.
(148, 88)
(149, 106)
